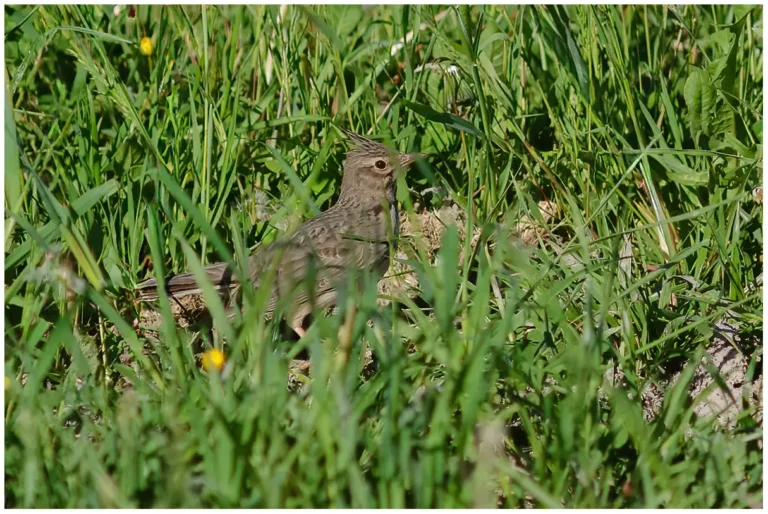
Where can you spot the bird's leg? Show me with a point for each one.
(296, 321)
(300, 365)
(299, 330)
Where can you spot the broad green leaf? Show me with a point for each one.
(700, 98)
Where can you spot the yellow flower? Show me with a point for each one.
(213, 358)
(146, 46)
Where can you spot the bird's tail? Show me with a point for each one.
(179, 286)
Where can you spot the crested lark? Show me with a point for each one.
(352, 236)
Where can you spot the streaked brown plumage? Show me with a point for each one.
(353, 235)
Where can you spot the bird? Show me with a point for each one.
(355, 235)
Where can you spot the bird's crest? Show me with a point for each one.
(362, 144)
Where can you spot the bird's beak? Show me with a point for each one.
(407, 159)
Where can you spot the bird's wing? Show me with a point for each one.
(328, 247)
(342, 242)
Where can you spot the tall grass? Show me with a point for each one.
(628, 140)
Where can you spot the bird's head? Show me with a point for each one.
(372, 167)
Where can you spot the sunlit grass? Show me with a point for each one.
(604, 161)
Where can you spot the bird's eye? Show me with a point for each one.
(380, 164)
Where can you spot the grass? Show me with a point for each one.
(639, 128)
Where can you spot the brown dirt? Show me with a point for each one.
(732, 366)
(185, 310)
(426, 230)
(725, 405)
(528, 230)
